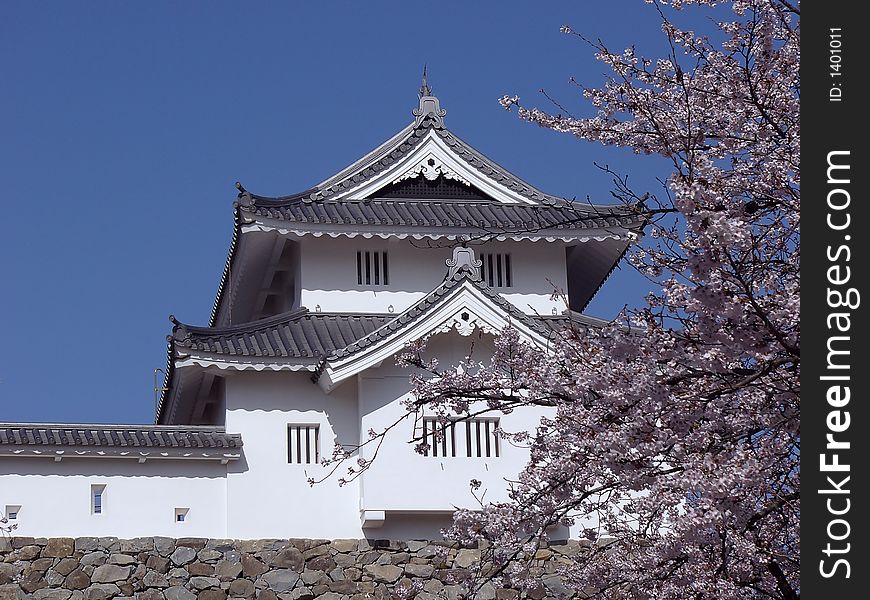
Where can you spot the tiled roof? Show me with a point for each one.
(494, 217)
(433, 298)
(403, 144)
(302, 334)
(117, 436)
(297, 334)
(325, 203)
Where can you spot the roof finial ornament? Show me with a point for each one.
(425, 90)
(429, 111)
(463, 260)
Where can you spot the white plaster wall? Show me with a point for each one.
(403, 480)
(139, 499)
(266, 496)
(329, 277)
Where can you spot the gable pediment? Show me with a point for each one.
(433, 159)
(466, 309)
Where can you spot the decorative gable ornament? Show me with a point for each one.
(463, 259)
(464, 322)
(432, 167)
(429, 108)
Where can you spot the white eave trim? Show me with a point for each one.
(186, 358)
(447, 315)
(60, 453)
(433, 233)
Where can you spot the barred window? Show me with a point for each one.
(372, 268)
(496, 271)
(473, 438)
(303, 444)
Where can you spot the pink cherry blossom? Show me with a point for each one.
(676, 430)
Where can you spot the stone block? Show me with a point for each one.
(77, 580)
(164, 546)
(228, 569)
(241, 588)
(203, 583)
(200, 569)
(182, 555)
(87, 544)
(281, 580)
(102, 591)
(290, 558)
(345, 545)
(209, 555)
(178, 592)
(32, 582)
(59, 547)
(465, 558)
(51, 594)
(252, 566)
(419, 570)
(153, 579)
(136, 545)
(53, 578)
(7, 573)
(191, 542)
(26, 552)
(320, 563)
(110, 574)
(97, 557)
(384, 573)
(157, 563)
(65, 566)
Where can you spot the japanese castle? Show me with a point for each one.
(422, 238)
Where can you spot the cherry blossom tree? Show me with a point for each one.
(676, 434)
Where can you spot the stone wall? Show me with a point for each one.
(198, 569)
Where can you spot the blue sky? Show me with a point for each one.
(123, 127)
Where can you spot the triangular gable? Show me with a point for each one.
(426, 148)
(463, 304)
(431, 159)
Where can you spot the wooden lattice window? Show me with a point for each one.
(472, 438)
(372, 268)
(303, 444)
(496, 270)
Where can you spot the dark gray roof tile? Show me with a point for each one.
(76, 435)
(302, 335)
(491, 217)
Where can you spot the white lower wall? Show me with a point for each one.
(266, 496)
(139, 499)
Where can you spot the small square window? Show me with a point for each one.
(98, 499)
(303, 444)
(181, 514)
(12, 511)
